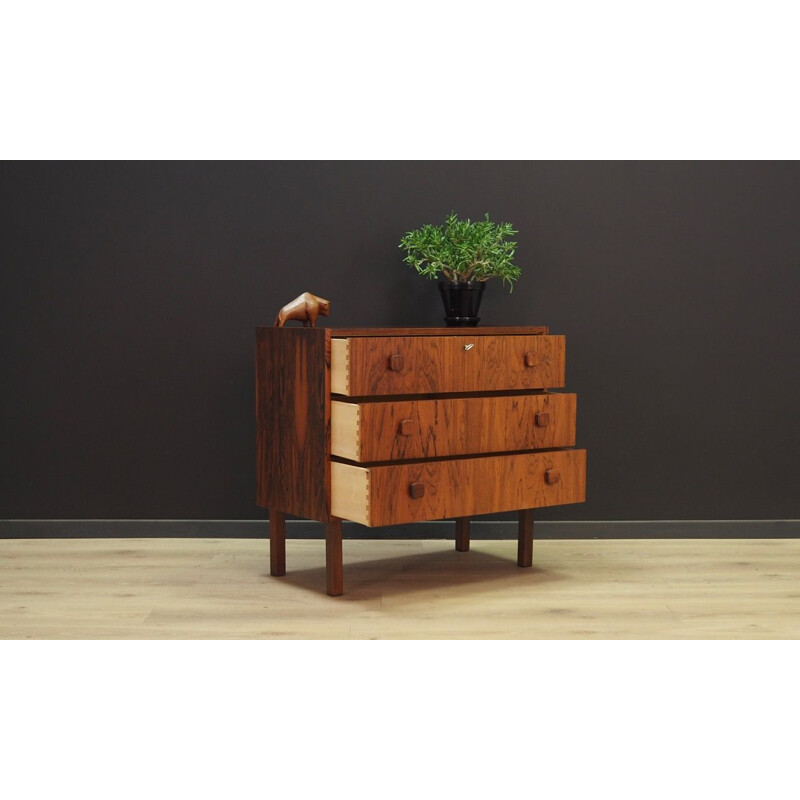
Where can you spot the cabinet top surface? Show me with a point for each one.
(513, 330)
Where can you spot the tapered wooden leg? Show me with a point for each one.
(462, 534)
(277, 542)
(333, 557)
(525, 542)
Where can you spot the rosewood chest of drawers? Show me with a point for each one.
(384, 426)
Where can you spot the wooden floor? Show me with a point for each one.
(221, 589)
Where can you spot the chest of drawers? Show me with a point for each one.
(388, 426)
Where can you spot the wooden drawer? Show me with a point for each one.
(397, 365)
(451, 426)
(428, 490)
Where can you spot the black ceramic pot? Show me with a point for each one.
(461, 301)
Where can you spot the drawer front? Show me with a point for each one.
(396, 365)
(452, 426)
(429, 490)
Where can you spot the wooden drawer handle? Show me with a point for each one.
(552, 476)
(530, 359)
(396, 363)
(416, 490)
(408, 427)
(542, 419)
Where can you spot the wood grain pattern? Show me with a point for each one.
(427, 454)
(293, 420)
(460, 487)
(487, 330)
(403, 429)
(447, 364)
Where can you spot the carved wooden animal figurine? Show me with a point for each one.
(305, 308)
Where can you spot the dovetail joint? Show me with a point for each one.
(358, 433)
(347, 366)
(369, 495)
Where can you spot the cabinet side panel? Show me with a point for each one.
(293, 433)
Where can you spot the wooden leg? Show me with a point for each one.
(462, 534)
(525, 543)
(277, 542)
(333, 557)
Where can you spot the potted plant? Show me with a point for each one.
(463, 255)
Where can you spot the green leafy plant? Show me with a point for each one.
(463, 251)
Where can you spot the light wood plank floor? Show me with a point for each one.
(221, 589)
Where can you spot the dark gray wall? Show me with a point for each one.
(129, 293)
